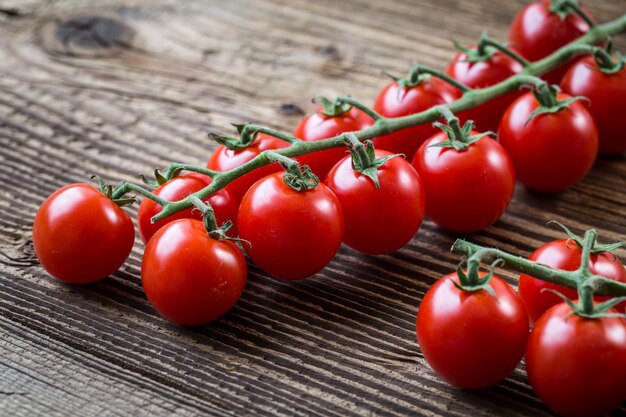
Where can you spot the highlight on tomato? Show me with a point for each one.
(81, 234)
(565, 254)
(472, 328)
(191, 276)
(178, 188)
(381, 197)
(332, 119)
(228, 156)
(468, 178)
(291, 225)
(551, 139)
(544, 26)
(403, 97)
(602, 79)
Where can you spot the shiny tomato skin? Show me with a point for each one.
(536, 32)
(553, 151)
(471, 339)
(607, 95)
(224, 159)
(378, 221)
(318, 126)
(224, 205)
(80, 235)
(394, 101)
(479, 179)
(484, 74)
(290, 234)
(190, 278)
(577, 366)
(565, 255)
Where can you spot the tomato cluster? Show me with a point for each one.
(291, 221)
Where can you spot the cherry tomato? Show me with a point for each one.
(224, 205)
(190, 278)
(468, 190)
(319, 126)
(484, 74)
(80, 235)
(607, 93)
(290, 234)
(564, 254)
(577, 366)
(472, 339)
(224, 159)
(396, 101)
(552, 151)
(536, 32)
(378, 221)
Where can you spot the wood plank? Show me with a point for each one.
(121, 87)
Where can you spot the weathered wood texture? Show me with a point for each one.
(120, 87)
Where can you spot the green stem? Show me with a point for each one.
(385, 126)
(486, 41)
(272, 132)
(126, 187)
(444, 77)
(193, 168)
(571, 279)
(580, 12)
(365, 109)
(585, 289)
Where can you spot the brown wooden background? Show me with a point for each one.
(120, 87)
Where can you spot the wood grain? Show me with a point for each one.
(121, 87)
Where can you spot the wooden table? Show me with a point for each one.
(121, 87)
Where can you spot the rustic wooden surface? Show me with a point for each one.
(120, 87)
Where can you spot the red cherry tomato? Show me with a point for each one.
(224, 205)
(563, 255)
(224, 159)
(465, 191)
(378, 221)
(577, 366)
(471, 339)
(536, 32)
(80, 235)
(395, 101)
(607, 93)
(319, 126)
(552, 151)
(291, 234)
(190, 278)
(484, 74)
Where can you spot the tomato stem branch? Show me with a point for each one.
(571, 279)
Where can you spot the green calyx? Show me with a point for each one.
(333, 108)
(564, 8)
(597, 311)
(459, 138)
(596, 248)
(364, 158)
(245, 139)
(549, 103)
(414, 78)
(108, 190)
(481, 53)
(471, 280)
(297, 177)
(214, 230)
(160, 177)
(608, 62)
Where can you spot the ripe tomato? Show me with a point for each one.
(607, 93)
(378, 221)
(472, 339)
(224, 159)
(80, 235)
(468, 190)
(484, 74)
(224, 205)
(552, 151)
(536, 32)
(577, 366)
(396, 101)
(189, 277)
(319, 126)
(564, 254)
(291, 234)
